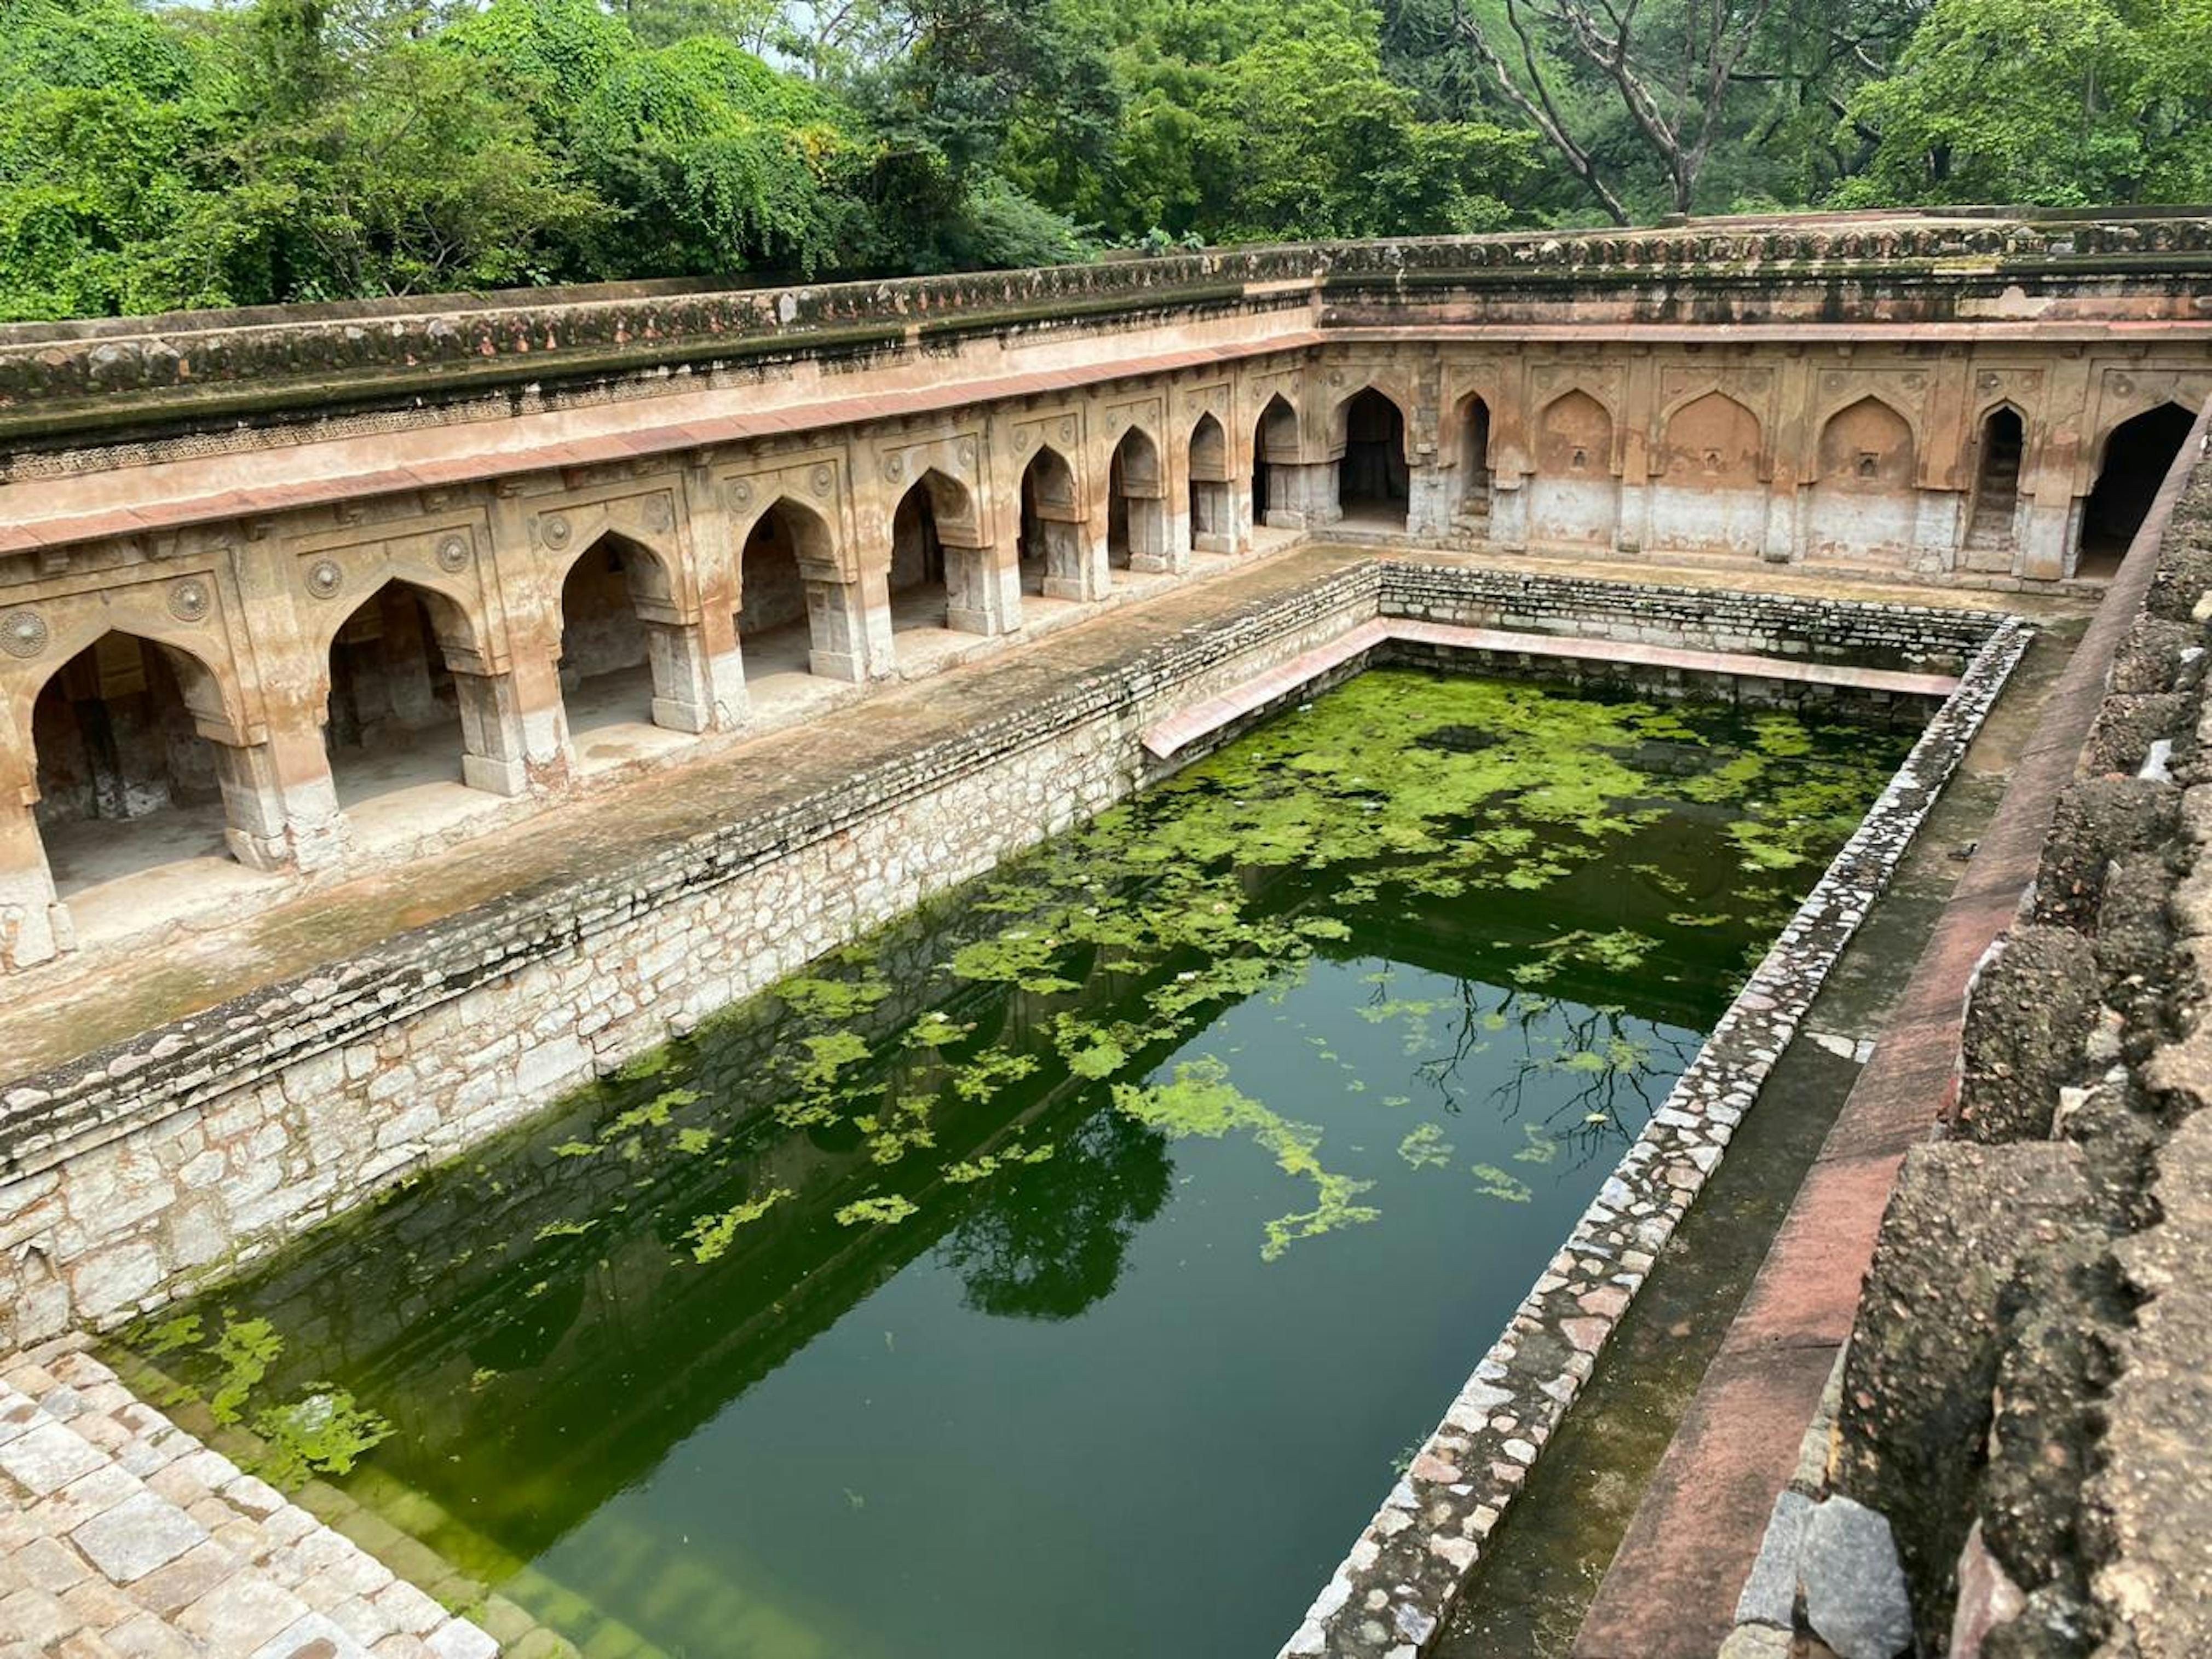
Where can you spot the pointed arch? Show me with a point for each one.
(1715, 443)
(1869, 443)
(2132, 463)
(780, 546)
(1212, 528)
(937, 511)
(1574, 435)
(1574, 497)
(1136, 504)
(2000, 452)
(1373, 478)
(1471, 424)
(626, 653)
(391, 702)
(1048, 546)
(126, 773)
(1274, 444)
(1864, 499)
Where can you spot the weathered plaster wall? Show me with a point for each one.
(139, 1169)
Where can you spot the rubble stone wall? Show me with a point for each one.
(2027, 1395)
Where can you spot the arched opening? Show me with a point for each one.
(1473, 513)
(2137, 456)
(620, 653)
(1574, 497)
(2003, 441)
(1709, 497)
(393, 717)
(1372, 480)
(1274, 443)
(774, 633)
(1210, 530)
(125, 778)
(1864, 495)
(1049, 546)
(1136, 506)
(919, 596)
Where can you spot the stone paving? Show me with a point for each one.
(122, 1537)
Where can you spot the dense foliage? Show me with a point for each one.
(154, 157)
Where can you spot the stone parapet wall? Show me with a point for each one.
(52, 365)
(148, 1166)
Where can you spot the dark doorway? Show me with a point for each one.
(1997, 480)
(2137, 457)
(1372, 480)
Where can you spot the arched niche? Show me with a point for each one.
(1574, 497)
(1864, 498)
(1471, 421)
(1993, 510)
(1212, 528)
(1048, 547)
(1275, 445)
(1708, 496)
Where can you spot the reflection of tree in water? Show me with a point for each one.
(1048, 1238)
(1595, 1116)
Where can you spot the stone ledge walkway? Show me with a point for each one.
(122, 1537)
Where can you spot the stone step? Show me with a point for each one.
(124, 1535)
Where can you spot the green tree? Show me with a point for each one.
(2013, 100)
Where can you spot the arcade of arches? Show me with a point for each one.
(437, 662)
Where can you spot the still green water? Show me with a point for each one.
(1065, 1269)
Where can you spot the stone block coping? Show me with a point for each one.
(1165, 737)
(1388, 1598)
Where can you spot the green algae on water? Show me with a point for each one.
(1418, 957)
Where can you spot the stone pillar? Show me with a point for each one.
(1074, 560)
(977, 599)
(34, 925)
(1303, 495)
(494, 749)
(1780, 545)
(1149, 541)
(257, 825)
(1509, 511)
(873, 592)
(841, 629)
(1212, 516)
(683, 684)
(726, 668)
(1429, 506)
